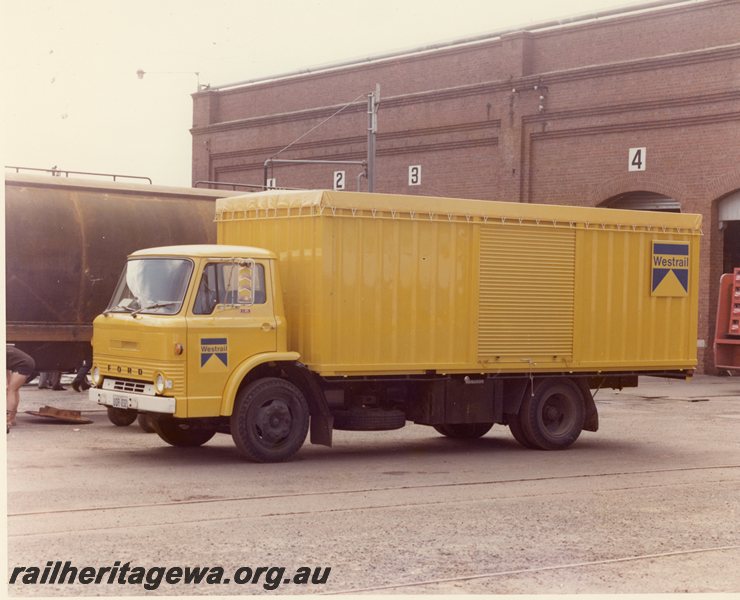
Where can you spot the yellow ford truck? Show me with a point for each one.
(330, 310)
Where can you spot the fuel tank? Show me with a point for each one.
(66, 241)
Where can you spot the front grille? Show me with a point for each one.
(138, 370)
(134, 387)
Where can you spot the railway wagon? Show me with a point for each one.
(65, 239)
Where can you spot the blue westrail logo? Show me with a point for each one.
(218, 347)
(670, 269)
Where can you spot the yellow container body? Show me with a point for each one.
(388, 284)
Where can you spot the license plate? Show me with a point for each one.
(119, 402)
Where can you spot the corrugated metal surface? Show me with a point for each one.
(298, 245)
(527, 280)
(378, 283)
(401, 291)
(618, 321)
(353, 304)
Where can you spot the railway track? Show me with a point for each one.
(332, 501)
(534, 570)
(375, 489)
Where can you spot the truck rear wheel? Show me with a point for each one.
(180, 432)
(464, 431)
(121, 417)
(270, 420)
(553, 418)
(515, 427)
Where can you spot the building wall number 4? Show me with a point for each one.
(636, 159)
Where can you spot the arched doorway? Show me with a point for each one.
(643, 200)
(729, 224)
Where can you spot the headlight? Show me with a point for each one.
(159, 383)
(97, 377)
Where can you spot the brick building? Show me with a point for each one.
(635, 108)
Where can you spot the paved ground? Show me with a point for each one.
(649, 504)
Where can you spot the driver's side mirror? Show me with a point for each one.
(245, 287)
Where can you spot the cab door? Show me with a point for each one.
(231, 318)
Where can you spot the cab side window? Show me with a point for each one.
(231, 284)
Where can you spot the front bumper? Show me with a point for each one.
(128, 400)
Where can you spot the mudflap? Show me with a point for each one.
(322, 421)
(591, 422)
(322, 426)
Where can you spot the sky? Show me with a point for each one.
(72, 98)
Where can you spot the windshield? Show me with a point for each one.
(152, 285)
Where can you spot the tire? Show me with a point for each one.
(270, 420)
(515, 427)
(368, 419)
(553, 419)
(121, 417)
(181, 432)
(464, 431)
(145, 422)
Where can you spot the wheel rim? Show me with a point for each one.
(557, 414)
(273, 422)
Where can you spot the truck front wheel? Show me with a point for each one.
(270, 420)
(553, 418)
(121, 417)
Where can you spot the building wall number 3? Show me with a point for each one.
(414, 174)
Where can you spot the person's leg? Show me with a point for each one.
(80, 382)
(56, 380)
(15, 382)
(44, 383)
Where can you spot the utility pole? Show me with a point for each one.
(373, 100)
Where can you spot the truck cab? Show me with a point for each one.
(183, 327)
